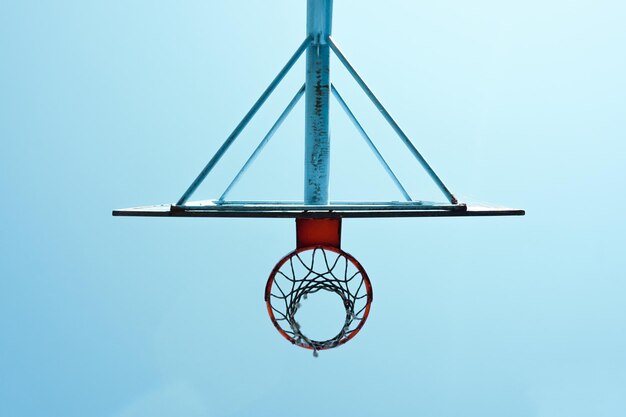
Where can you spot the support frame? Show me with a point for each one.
(316, 202)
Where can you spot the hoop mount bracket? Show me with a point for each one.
(318, 232)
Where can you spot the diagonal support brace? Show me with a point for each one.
(391, 121)
(369, 142)
(244, 122)
(264, 142)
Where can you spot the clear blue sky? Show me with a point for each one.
(108, 104)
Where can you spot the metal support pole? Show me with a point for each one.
(317, 132)
(244, 122)
(392, 122)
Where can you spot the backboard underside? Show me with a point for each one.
(317, 91)
(260, 209)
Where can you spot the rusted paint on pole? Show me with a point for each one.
(317, 132)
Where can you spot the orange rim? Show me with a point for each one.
(352, 260)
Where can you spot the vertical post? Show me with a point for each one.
(317, 133)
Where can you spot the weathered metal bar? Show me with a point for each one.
(335, 205)
(369, 142)
(224, 204)
(244, 122)
(264, 142)
(361, 210)
(317, 132)
(391, 122)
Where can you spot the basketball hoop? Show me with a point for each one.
(313, 268)
(318, 263)
(338, 272)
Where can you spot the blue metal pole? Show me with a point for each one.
(244, 122)
(317, 132)
(369, 142)
(264, 142)
(392, 122)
